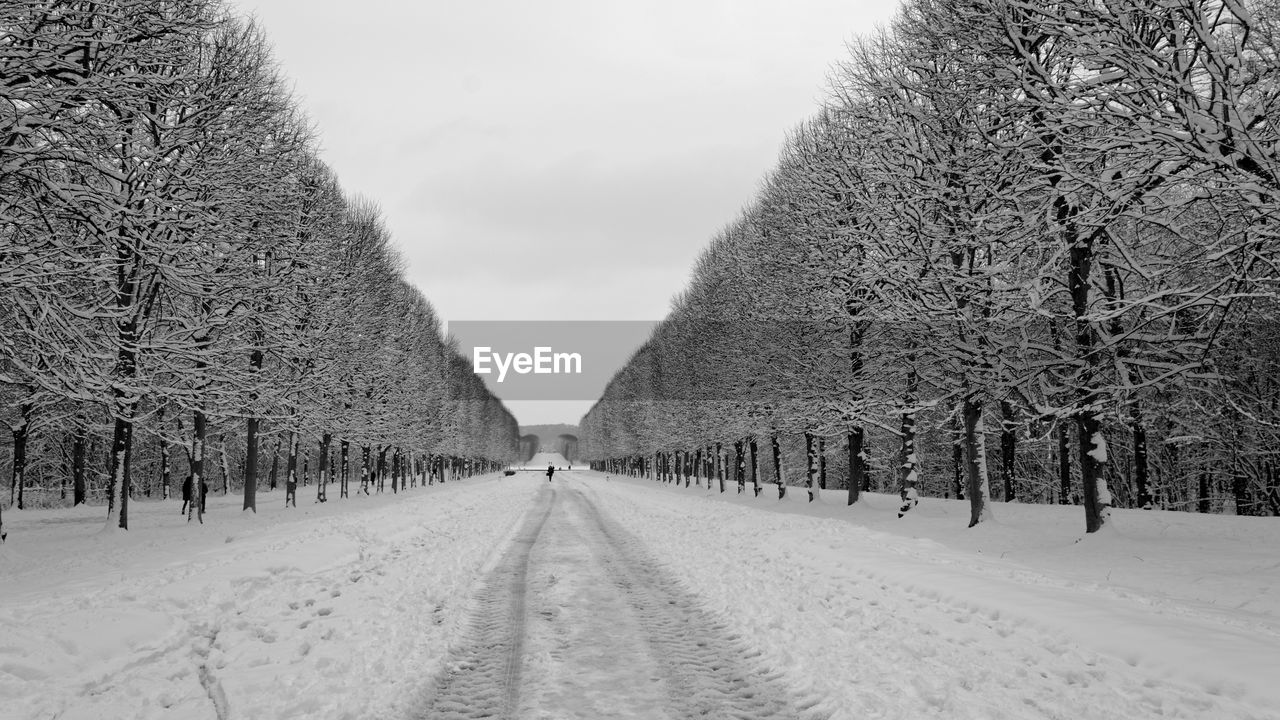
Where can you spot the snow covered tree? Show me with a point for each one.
(172, 248)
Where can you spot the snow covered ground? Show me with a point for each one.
(354, 608)
(1168, 615)
(341, 610)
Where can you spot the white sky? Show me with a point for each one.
(557, 159)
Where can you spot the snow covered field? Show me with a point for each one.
(352, 609)
(1170, 615)
(342, 610)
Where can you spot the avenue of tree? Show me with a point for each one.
(1030, 239)
(185, 290)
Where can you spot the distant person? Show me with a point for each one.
(186, 494)
(551, 470)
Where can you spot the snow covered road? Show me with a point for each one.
(578, 622)
(879, 625)
(603, 598)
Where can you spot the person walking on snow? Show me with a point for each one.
(551, 470)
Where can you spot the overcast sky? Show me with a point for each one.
(557, 159)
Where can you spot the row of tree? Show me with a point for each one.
(175, 259)
(1055, 219)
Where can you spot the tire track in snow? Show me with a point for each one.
(482, 678)
(708, 672)
(703, 671)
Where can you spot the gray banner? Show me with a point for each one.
(691, 361)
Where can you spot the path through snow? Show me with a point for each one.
(595, 598)
(886, 626)
(578, 621)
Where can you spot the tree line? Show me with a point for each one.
(1030, 240)
(181, 273)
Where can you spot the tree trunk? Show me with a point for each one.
(777, 466)
(1008, 448)
(65, 475)
(20, 434)
(1203, 503)
(1093, 462)
(199, 427)
(720, 463)
(121, 452)
(857, 465)
(256, 357)
(346, 468)
(1141, 469)
(124, 404)
(250, 464)
(275, 464)
(291, 468)
(1064, 463)
(810, 466)
(978, 485)
(739, 466)
(322, 483)
(755, 467)
(908, 461)
(822, 463)
(1093, 447)
(78, 447)
(855, 304)
(364, 469)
